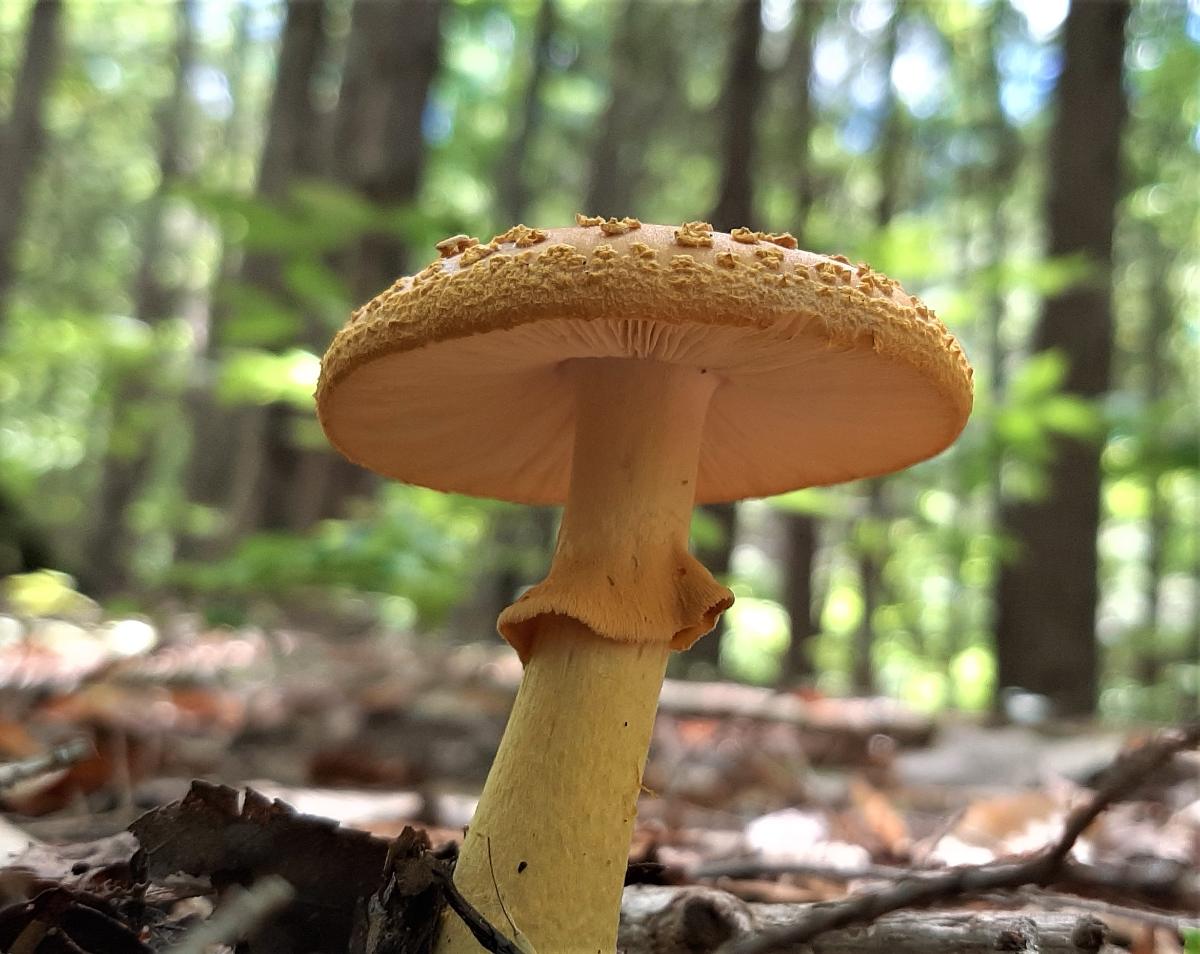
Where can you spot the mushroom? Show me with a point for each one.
(629, 371)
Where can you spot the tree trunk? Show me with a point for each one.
(740, 108)
(154, 298)
(291, 150)
(22, 142)
(379, 151)
(873, 556)
(22, 139)
(108, 556)
(1047, 595)
(609, 192)
(258, 439)
(210, 424)
(800, 529)
(644, 77)
(801, 536)
(512, 186)
(1157, 372)
(735, 207)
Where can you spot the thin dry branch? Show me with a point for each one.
(57, 758)
(1130, 770)
(490, 937)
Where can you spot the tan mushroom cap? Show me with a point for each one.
(458, 378)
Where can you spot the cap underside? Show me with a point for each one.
(493, 414)
(459, 378)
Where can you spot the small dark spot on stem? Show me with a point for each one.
(611, 581)
(521, 866)
(683, 483)
(627, 725)
(704, 370)
(682, 571)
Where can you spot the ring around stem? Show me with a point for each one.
(545, 856)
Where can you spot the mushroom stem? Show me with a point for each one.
(547, 848)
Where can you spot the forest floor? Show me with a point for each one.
(834, 820)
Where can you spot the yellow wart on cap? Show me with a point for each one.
(619, 226)
(522, 236)
(455, 245)
(694, 235)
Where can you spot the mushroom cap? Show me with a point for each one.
(458, 378)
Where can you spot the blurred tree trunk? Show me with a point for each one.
(740, 105)
(1155, 389)
(108, 556)
(267, 462)
(512, 187)
(22, 142)
(643, 82)
(872, 555)
(1194, 690)
(23, 136)
(1047, 595)
(800, 529)
(379, 152)
(155, 296)
(999, 179)
(229, 447)
(212, 427)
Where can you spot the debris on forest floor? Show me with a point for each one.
(763, 810)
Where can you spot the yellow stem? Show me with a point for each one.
(547, 848)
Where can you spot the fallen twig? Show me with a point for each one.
(1030, 895)
(1129, 771)
(13, 773)
(684, 920)
(1151, 882)
(489, 937)
(242, 913)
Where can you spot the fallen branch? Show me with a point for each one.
(670, 920)
(490, 937)
(1129, 771)
(1105, 910)
(13, 773)
(1161, 882)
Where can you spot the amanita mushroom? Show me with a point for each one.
(628, 371)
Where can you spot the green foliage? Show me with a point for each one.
(263, 377)
(415, 544)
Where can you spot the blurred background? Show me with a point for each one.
(194, 195)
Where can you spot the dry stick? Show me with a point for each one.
(241, 914)
(60, 757)
(1129, 771)
(1030, 895)
(489, 937)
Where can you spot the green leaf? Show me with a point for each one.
(1071, 415)
(1041, 374)
(317, 285)
(257, 318)
(248, 376)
